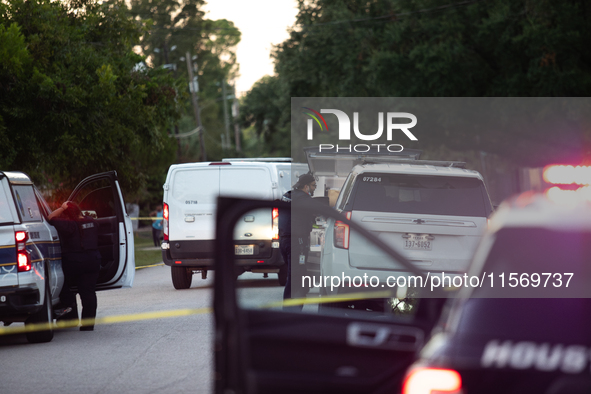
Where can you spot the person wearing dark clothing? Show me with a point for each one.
(294, 235)
(157, 225)
(81, 261)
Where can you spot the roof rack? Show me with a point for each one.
(264, 159)
(437, 163)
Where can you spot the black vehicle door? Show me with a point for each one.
(100, 196)
(263, 347)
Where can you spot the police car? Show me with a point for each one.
(527, 329)
(31, 276)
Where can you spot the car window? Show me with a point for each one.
(26, 203)
(5, 216)
(196, 186)
(523, 317)
(45, 210)
(346, 191)
(96, 199)
(536, 262)
(418, 194)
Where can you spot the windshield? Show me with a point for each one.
(419, 194)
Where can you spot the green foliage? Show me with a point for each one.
(73, 101)
(211, 43)
(262, 110)
(429, 48)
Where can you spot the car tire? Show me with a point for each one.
(282, 275)
(181, 277)
(43, 316)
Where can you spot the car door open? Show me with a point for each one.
(361, 342)
(100, 196)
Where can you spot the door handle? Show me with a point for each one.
(384, 336)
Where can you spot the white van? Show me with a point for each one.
(190, 197)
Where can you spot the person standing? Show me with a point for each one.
(81, 261)
(294, 235)
(157, 225)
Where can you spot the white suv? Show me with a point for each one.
(435, 212)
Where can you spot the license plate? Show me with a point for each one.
(244, 249)
(417, 242)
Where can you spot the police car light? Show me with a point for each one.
(432, 380)
(567, 175)
(566, 197)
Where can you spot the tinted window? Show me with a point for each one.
(26, 204)
(525, 249)
(5, 216)
(539, 319)
(96, 199)
(433, 195)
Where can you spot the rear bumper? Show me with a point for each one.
(18, 303)
(200, 255)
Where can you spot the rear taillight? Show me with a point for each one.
(20, 237)
(275, 215)
(432, 380)
(165, 221)
(23, 259)
(341, 233)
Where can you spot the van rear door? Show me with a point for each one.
(192, 204)
(250, 182)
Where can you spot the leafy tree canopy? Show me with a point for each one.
(73, 100)
(176, 28)
(431, 48)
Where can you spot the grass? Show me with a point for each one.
(143, 239)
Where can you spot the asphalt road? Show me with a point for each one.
(163, 355)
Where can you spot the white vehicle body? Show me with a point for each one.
(31, 275)
(435, 214)
(190, 202)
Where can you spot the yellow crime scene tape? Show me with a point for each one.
(181, 312)
(148, 218)
(104, 320)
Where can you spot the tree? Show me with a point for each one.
(73, 100)
(262, 110)
(175, 28)
(439, 48)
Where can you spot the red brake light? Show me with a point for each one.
(341, 233)
(432, 380)
(220, 163)
(165, 211)
(165, 214)
(275, 216)
(23, 262)
(21, 236)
